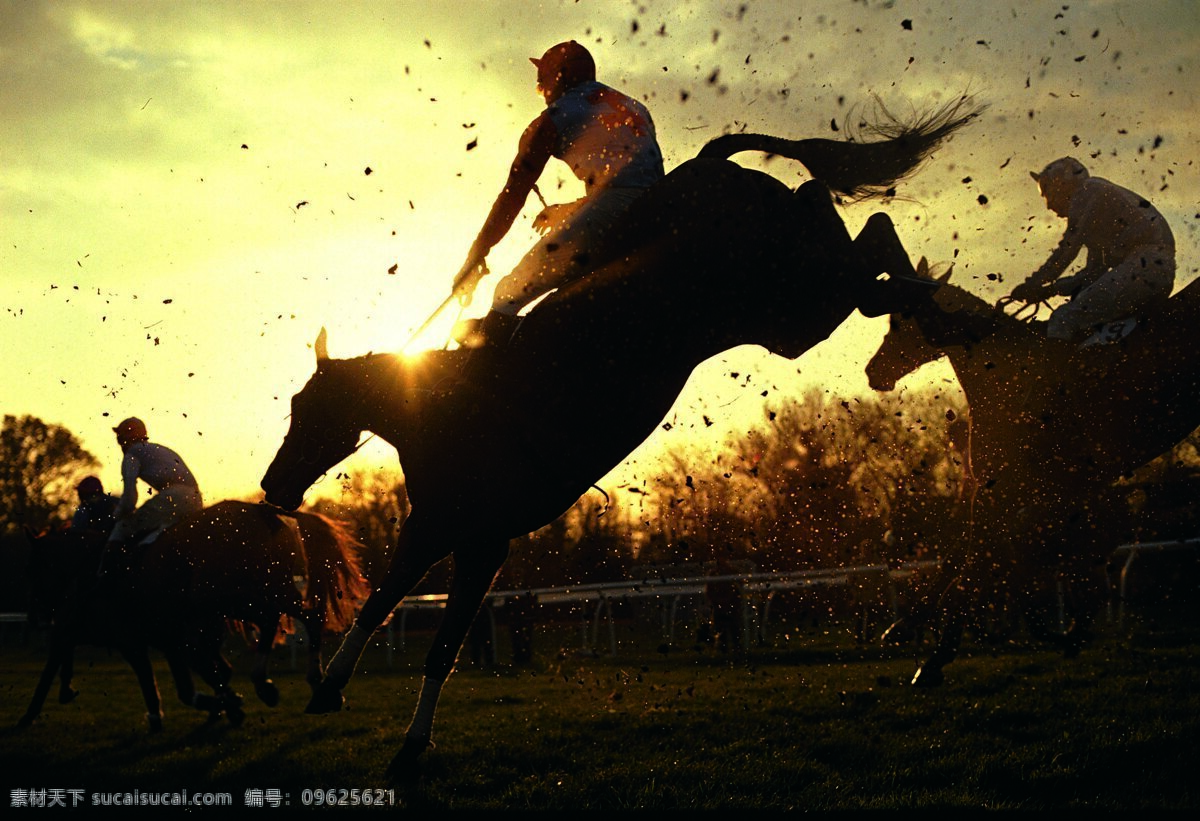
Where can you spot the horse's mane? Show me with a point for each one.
(862, 168)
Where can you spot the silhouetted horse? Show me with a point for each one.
(231, 562)
(1052, 425)
(497, 443)
(65, 594)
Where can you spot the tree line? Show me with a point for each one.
(821, 481)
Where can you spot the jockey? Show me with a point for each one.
(163, 470)
(608, 141)
(97, 510)
(1130, 265)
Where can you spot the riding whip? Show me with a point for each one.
(454, 294)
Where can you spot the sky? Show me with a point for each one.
(190, 191)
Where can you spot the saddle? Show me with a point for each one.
(122, 558)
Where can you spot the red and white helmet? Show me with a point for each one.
(564, 65)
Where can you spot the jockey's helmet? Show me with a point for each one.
(1059, 179)
(131, 430)
(563, 66)
(89, 486)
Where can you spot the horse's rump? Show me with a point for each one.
(242, 560)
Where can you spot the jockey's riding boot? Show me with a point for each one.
(493, 330)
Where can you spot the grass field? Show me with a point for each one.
(810, 721)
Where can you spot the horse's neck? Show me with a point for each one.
(994, 356)
(394, 390)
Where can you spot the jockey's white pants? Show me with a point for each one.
(159, 512)
(1133, 288)
(563, 254)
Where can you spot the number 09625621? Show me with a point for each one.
(334, 797)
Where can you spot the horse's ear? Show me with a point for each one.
(923, 268)
(944, 278)
(321, 347)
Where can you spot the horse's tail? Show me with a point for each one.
(335, 579)
(862, 169)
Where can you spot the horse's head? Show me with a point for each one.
(903, 350)
(905, 346)
(324, 430)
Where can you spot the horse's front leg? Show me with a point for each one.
(952, 617)
(473, 577)
(415, 553)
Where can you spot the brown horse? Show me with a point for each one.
(497, 443)
(231, 563)
(1052, 425)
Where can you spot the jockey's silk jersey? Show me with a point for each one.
(1112, 223)
(156, 465)
(606, 137)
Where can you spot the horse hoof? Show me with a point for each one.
(267, 692)
(155, 721)
(67, 695)
(25, 721)
(403, 768)
(325, 700)
(927, 676)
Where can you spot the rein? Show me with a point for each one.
(1004, 301)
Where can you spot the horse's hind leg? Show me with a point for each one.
(879, 248)
(880, 251)
(313, 620)
(55, 661)
(138, 657)
(264, 688)
(206, 659)
(214, 673)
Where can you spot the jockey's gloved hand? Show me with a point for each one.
(467, 279)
